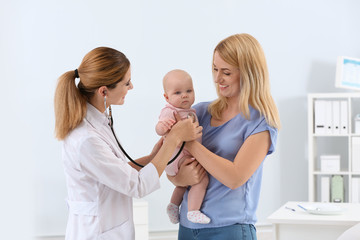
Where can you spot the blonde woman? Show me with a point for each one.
(100, 182)
(239, 131)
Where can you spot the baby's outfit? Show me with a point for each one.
(168, 112)
(172, 169)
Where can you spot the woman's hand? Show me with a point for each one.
(190, 173)
(186, 130)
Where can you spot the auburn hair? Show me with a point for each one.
(102, 66)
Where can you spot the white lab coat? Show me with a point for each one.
(100, 182)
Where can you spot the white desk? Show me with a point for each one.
(300, 225)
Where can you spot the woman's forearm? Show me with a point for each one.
(236, 173)
(220, 168)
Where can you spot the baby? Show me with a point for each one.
(179, 94)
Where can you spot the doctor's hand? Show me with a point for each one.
(190, 173)
(186, 130)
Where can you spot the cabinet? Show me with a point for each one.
(331, 133)
(141, 219)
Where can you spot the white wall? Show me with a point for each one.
(42, 39)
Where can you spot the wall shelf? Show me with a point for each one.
(325, 143)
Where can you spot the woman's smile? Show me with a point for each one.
(223, 87)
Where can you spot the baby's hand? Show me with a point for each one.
(167, 123)
(163, 126)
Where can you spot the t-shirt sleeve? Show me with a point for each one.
(261, 126)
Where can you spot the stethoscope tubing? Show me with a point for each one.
(127, 155)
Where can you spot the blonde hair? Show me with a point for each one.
(243, 51)
(102, 66)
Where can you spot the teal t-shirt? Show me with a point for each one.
(225, 206)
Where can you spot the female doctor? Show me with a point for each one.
(100, 182)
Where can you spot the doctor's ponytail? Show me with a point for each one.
(70, 105)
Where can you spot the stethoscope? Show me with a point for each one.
(111, 123)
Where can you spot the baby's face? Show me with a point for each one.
(179, 91)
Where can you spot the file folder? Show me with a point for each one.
(357, 124)
(319, 118)
(336, 116)
(355, 193)
(325, 189)
(337, 189)
(343, 117)
(328, 117)
(355, 154)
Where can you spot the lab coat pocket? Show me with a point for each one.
(114, 211)
(83, 208)
(123, 232)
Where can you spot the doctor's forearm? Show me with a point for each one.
(142, 161)
(166, 151)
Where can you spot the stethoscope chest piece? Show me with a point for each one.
(192, 115)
